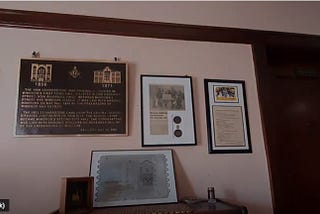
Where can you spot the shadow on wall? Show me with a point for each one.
(184, 187)
(231, 197)
(132, 73)
(196, 107)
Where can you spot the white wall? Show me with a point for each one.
(286, 16)
(31, 168)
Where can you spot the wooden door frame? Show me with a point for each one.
(258, 39)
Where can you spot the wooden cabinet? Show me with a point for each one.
(219, 207)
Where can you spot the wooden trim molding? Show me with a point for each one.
(123, 27)
(101, 25)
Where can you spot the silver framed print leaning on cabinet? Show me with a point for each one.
(167, 111)
(227, 116)
(133, 177)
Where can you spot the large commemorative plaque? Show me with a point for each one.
(58, 97)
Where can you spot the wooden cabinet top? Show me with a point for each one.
(177, 208)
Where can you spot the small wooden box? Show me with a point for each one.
(76, 195)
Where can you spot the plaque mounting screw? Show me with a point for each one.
(36, 54)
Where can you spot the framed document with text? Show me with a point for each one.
(227, 116)
(72, 97)
(132, 177)
(167, 112)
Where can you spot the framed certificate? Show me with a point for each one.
(167, 111)
(227, 116)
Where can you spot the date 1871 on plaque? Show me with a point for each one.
(72, 98)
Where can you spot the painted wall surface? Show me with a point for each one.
(286, 16)
(31, 168)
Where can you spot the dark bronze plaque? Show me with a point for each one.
(72, 98)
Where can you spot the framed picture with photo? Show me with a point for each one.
(133, 177)
(226, 94)
(76, 194)
(167, 111)
(227, 116)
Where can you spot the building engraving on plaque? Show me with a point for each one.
(41, 74)
(106, 75)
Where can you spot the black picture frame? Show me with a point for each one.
(227, 116)
(167, 111)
